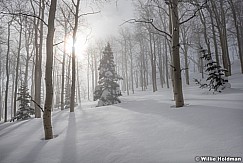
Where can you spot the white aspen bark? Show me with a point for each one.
(88, 76)
(141, 66)
(240, 48)
(131, 64)
(92, 72)
(68, 88)
(154, 65)
(48, 75)
(1, 91)
(160, 65)
(63, 64)
(12, 93)
(96, 71)
(7, 75)
(214, 37)
(127, 81)
(152, 62)
(17, 70)
(166, 65)
(78, 84)
(220, 21)
(203, 21)
(74, 57)
(178, 94)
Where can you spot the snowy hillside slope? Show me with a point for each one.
(144, 128)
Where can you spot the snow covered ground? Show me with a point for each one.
(144, 128)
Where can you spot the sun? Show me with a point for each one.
(80, 45)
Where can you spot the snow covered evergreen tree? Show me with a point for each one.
(108, 89)
(216, 75)
(24, 110)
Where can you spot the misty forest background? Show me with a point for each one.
(163, 43)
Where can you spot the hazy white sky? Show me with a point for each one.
(104, 24)
(107, 22)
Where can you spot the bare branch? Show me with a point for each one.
(58, 43)
(38, 105)
(195, 13)
(58, 60)
(24, 14)
(89, 13)
(148, 22)
(74, 4)
(70, 9)
(67, 19)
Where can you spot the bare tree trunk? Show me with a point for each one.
(166, 65)
(160, 64)
(203, 21)
(92, 72)
(225, 41)
(171, 49)
(186, 65)
(240, 48)
(123, 72)
(48, 76)
(33, 84)
(68, 88)
(176, 55)
(153, 62)
(146, 70)
(17, 70)
(28, 39)
(185, 51)
(141, 65)
(73, 56)
(1, 102)
(37, 68)
(7, 74)
(131, 64)
(12, 93)
(78, 82)
(96, 71)
(214, 37)
(63, 64)
(221, 25)
(88, 76)
(127, 82)
(1, 89)
(56, 83)
(136, 77)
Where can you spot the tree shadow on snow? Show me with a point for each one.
(190, 115)
(15, 126)
(69, 146)
(34, 152)
(23, 137)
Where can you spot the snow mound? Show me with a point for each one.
(142, 129)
